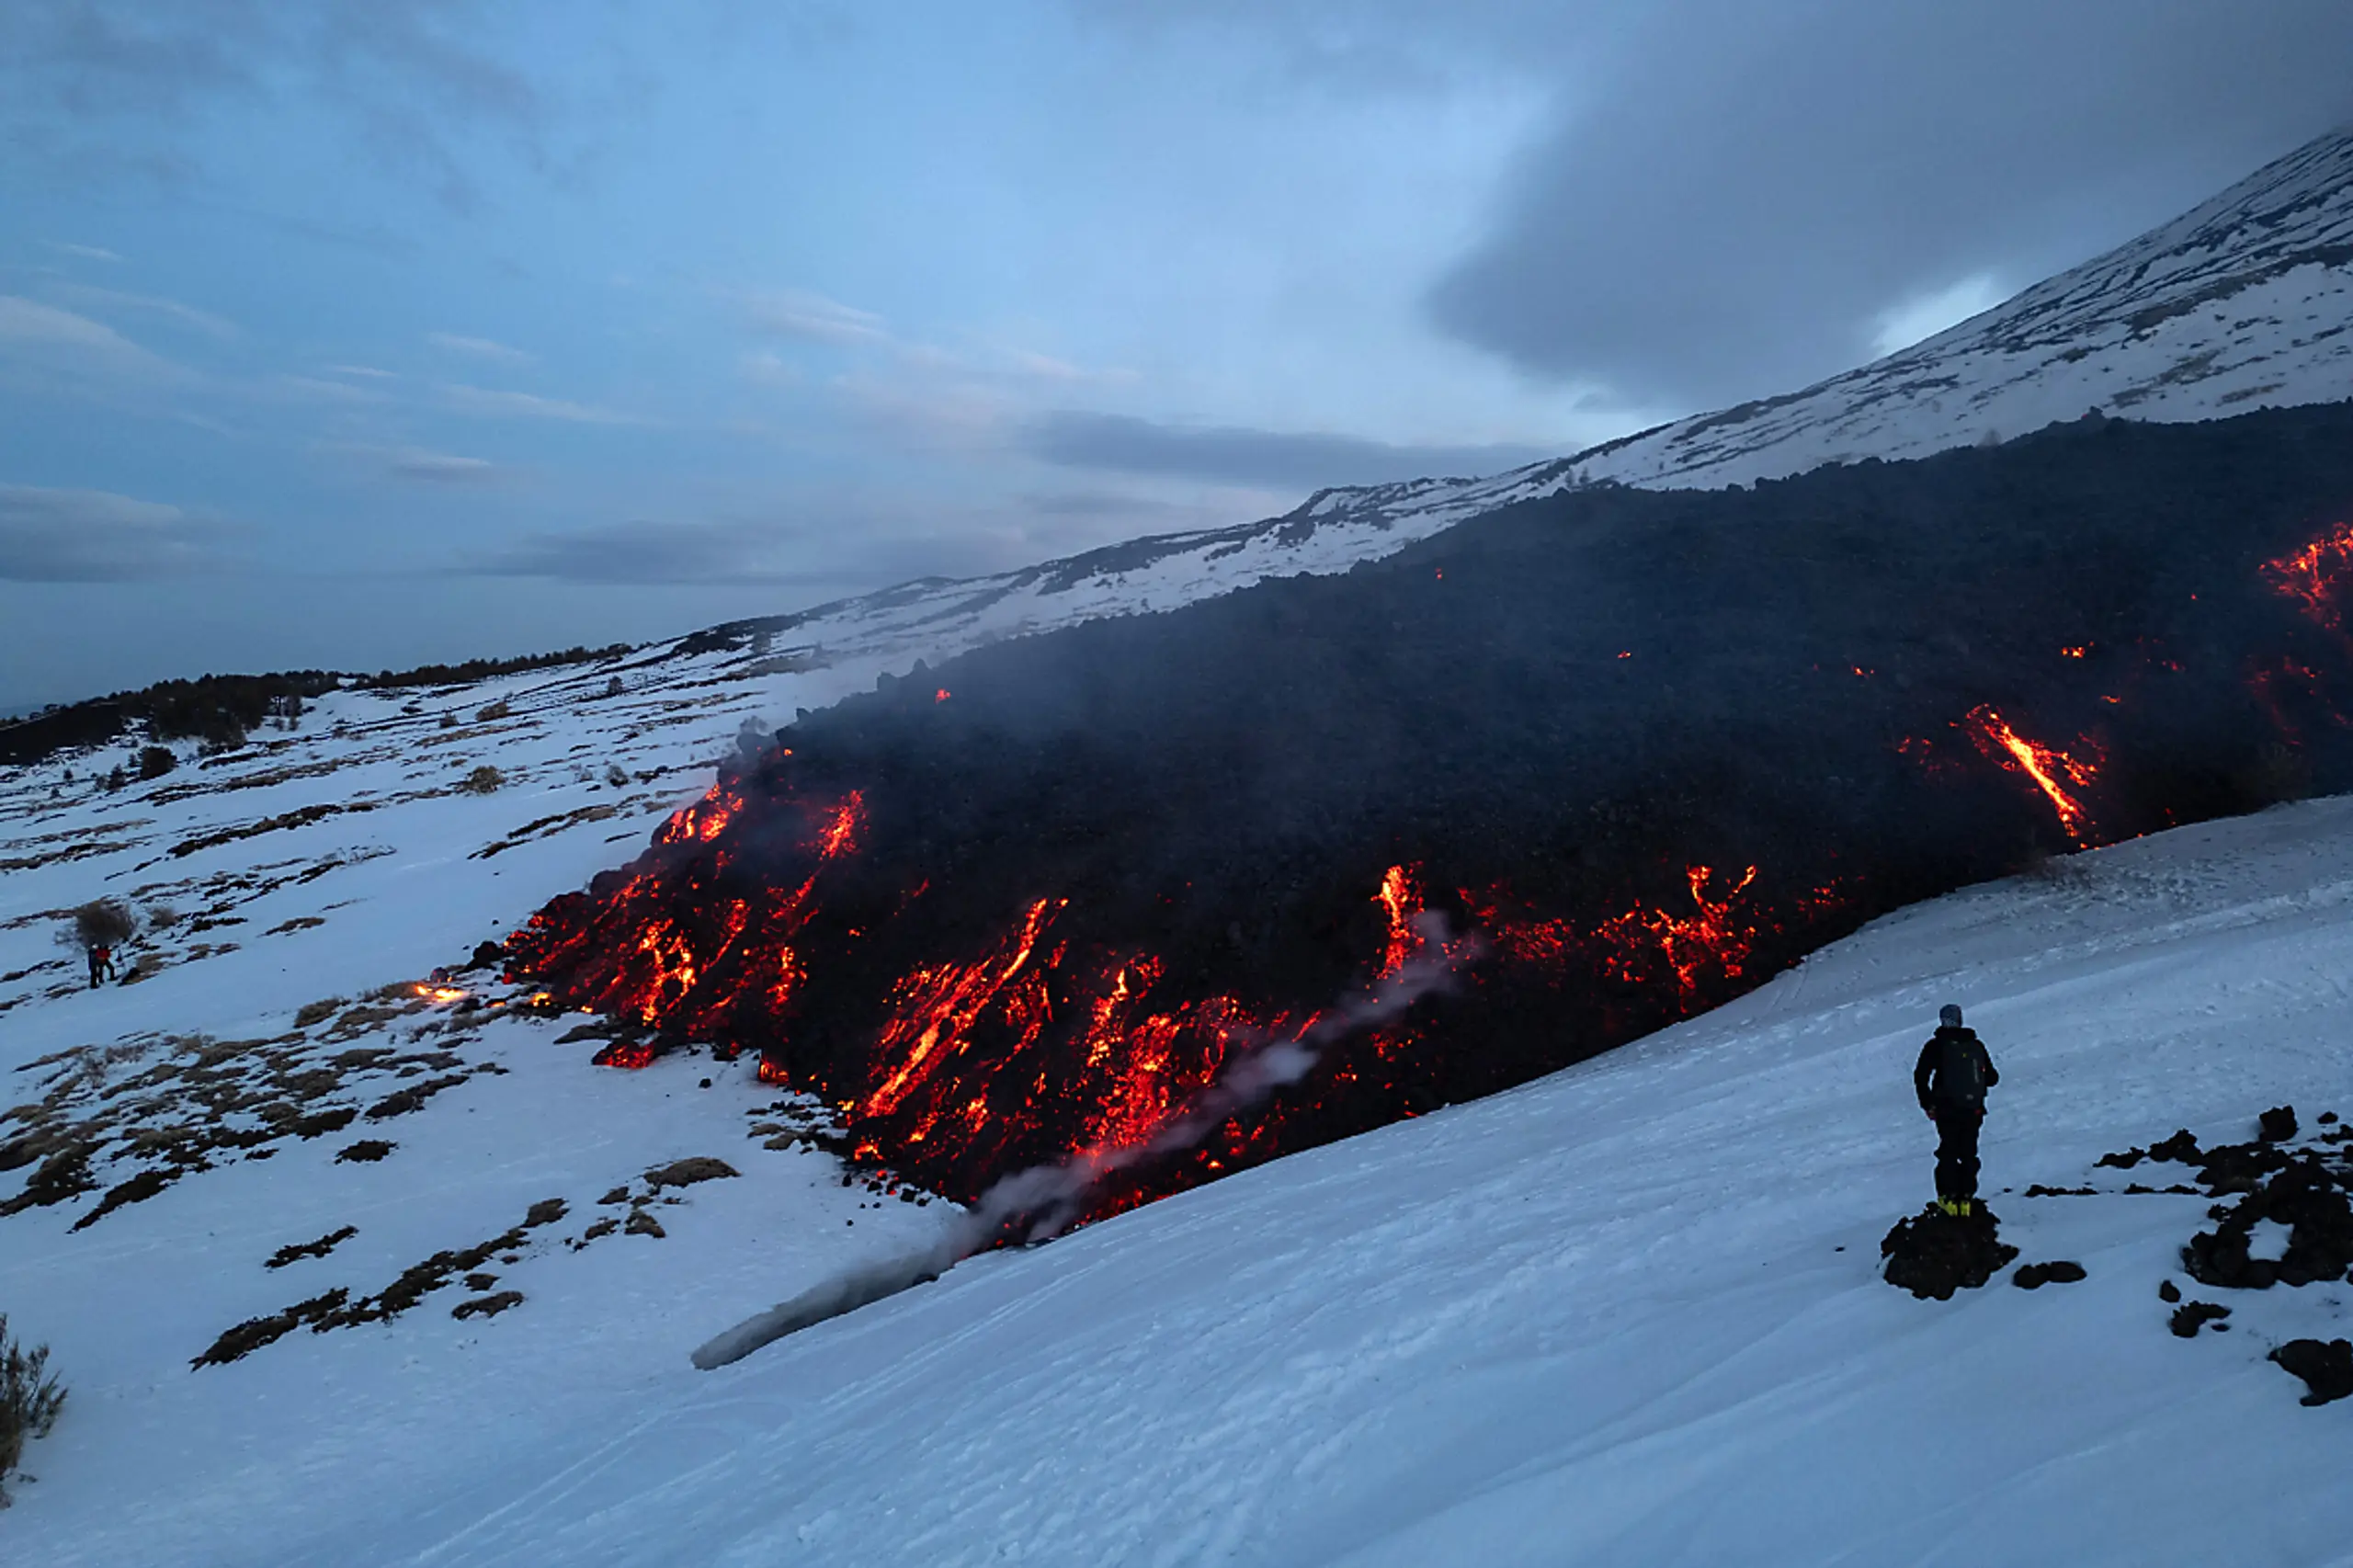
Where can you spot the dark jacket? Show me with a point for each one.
(1943, 1077)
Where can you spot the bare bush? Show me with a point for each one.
(101, 923)
(482, 780)
(501, 709)
(31, 1398)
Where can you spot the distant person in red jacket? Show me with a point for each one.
(1951, 1077)
(101, 966)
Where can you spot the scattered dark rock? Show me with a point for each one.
(401, 1102)
(2240, 1167)
(2180, 1148)
(2278, 1124)
(2169, 1291)
(138, 1189)
(2039, 1190)
(641, 1223)
(254, 1333)
(1933, 1253)
(319, 1123)
(2326, 1366)
(65, 1174)
(481, 1282)
(685, 1172)
(487, 1306)
(2301, 1193)
(619, 1194)
(2191, 1316)
(2035, 1275)
(601, 1228)
(2123, 1162)
(367, 1152)
(546, 1211)
(296, 1251)
(484, 955)
(2327, 1119)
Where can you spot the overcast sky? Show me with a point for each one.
(359, 332)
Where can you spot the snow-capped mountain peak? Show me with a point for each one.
(2242, 302)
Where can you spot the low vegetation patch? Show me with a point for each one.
(31, 1398)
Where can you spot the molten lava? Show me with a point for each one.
(2056, 773)
(1054, 1044)
(2317, 575)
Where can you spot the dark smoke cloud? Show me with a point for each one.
(1730, 205)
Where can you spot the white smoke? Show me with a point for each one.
(1051, 1198)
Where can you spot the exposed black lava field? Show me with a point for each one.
(1034, 903)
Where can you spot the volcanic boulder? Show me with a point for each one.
(2326, 1366)
(2035, 1275)
(2303, 1194)
(1933, 1253)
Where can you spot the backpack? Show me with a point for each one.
(1961, 1071)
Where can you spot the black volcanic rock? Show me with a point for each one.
(1934, 1254)
(2326, 1366)
(1557, 711)
(2034, 1276)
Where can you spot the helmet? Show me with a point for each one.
(1949, 1017)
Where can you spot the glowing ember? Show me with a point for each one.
(2054, 772)
(441, 995)
(2316, 577)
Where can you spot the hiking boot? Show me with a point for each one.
(1963, 1208)
(1950, 1208)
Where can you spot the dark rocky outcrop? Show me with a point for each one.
(2326, 1366)
(1934, 1254)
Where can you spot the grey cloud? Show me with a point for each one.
(812, 317)
(648, 552)
(1232, 455)
(530, 405)
(1736, 195)
(99, 85)
(60, 342)
(445, 469)
(154, 305)
(95, 536)
(477, 347)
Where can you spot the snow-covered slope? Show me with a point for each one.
(1605, 1318)
(1628, 1314)
(2244, 302)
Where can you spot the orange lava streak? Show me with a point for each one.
(936, 1007)
(2315, 576)
(2052, 769)
(1402, 899)
(839, 835)
(443, 994)
(1689, 945)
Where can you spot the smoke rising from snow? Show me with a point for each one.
(1045, 1200)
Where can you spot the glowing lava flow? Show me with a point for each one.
(1052, 1043)
(2317, 575)
(2054, 772)
(670, 946)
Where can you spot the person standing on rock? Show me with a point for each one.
(1951, 1077)
(101, 965)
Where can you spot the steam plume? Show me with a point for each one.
(1045, 1199)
